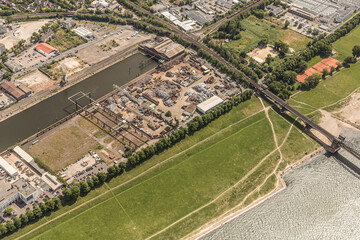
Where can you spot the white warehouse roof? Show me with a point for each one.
(8, 168)
(24, 155)
(209, 104)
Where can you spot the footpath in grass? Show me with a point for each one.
(194, 179)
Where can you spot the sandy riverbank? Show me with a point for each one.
(72, 80)
(239, 210)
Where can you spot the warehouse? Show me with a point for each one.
(45, 49)
(29, 160)
(164, 48)
(8, 168)
(83, 32)
(14, 91)
(209, 104)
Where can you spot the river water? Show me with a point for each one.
(321, 201)
(45, 113)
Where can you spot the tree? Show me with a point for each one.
(37, 212)
(102, 177)
(84, 188)
(10, 226)
(325, 72)
(168, 114)
(3, 229)
(17, 222)
(95, 180)
(356, 51)
(90, 183)
(30, 215)
(111, 171)
(8, 210)
(24, 219)
(50, 205)
(75, 192)
(43, 207)
(67, 194)
(57, 202)
(287, 23)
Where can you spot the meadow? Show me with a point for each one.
(344, 45)
(255, 29)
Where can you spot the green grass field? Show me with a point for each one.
(344, 45)
(184, 183)
(256, 28)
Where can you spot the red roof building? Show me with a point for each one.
(45, 49)
(11, 89)
(318, 68)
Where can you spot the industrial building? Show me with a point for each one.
(2, 48)
(12, 66)
(186, 25)
(45, 49)
(83, 32)
(209, 104)
(68, 24)
(8, 168)
(163, 48)
(14, 91)
(20, 189)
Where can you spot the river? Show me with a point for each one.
(321, 201)
(45, 113)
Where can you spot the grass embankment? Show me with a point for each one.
(344, 45)
(255, 30)
(63, 147)
(203, 180)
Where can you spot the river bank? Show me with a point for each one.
(320, 201)
(239, 210)
(72, 80)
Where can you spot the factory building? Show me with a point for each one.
(12, 90)
(209, 104)
(8, 168)
(163, 48)
(29, 160)
(20, 189)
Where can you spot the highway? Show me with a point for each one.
(336, 141)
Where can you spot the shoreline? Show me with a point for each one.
(73, 80)
(234, 213)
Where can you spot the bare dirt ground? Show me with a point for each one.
(262, 53)
(26, 29)
(36, 81)
(9, 42)
(105, 48)
(351, 111)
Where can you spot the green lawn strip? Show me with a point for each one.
(197, 180)
(187, 185)
(344, 45)
(226, 202)
(69, 215)
(91, 224)
(314, 61)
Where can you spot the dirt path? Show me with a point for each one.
(138, 176)
(230, 214)
(277, 148)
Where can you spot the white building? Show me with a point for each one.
(20, 189)
(186, 25)
(83, 32)
(209, 104)
(8, 168)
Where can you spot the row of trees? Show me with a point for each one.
(30, 216)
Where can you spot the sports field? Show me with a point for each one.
(344, 45)
(255, 30)
(205, 175)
